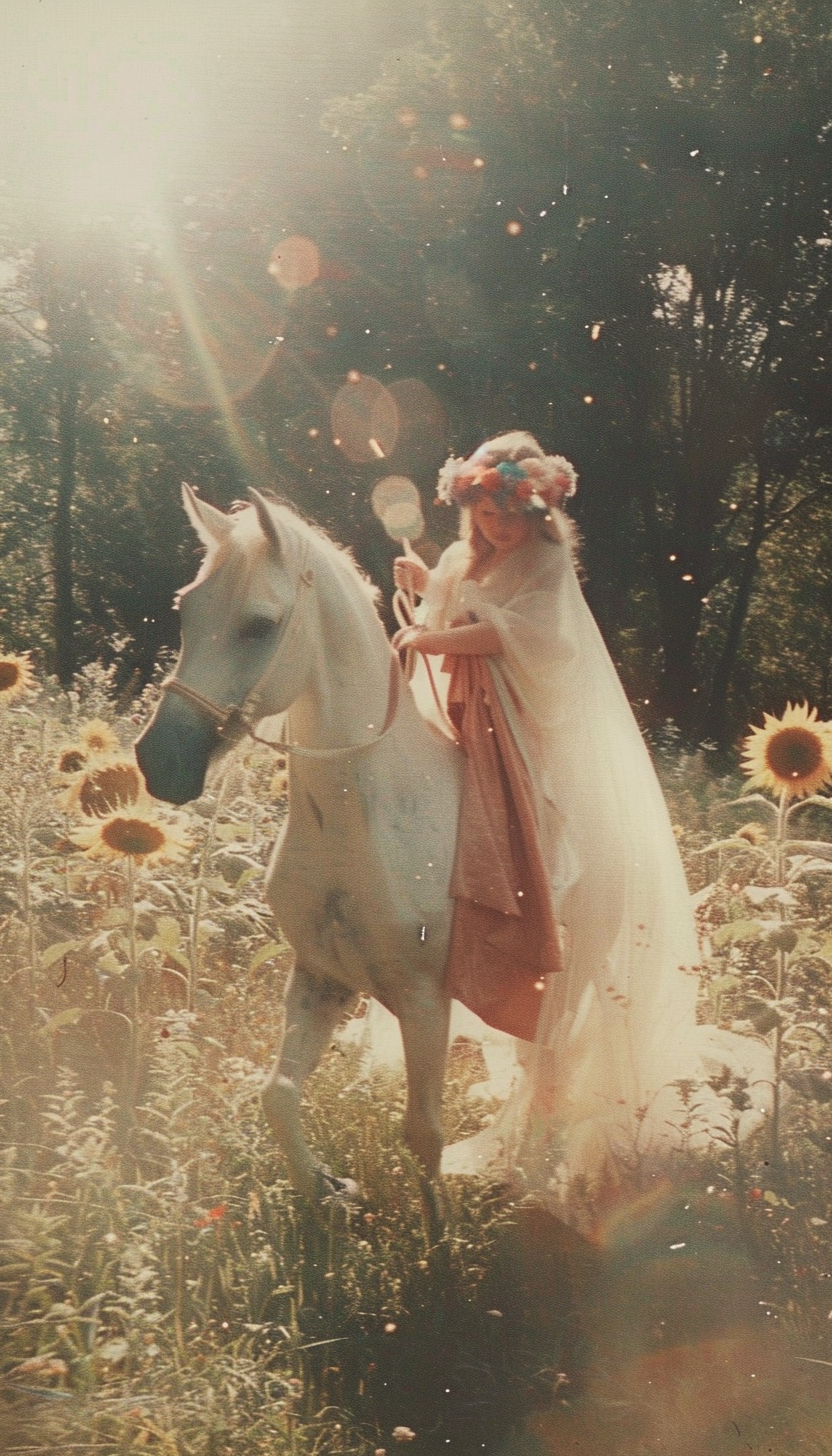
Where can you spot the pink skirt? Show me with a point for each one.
(504, 938)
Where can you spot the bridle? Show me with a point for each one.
(234, 723)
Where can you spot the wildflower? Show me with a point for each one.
(105, 787)
(98, 738)
(790, 755)
(212, 1216)
(143, 838)
(16, 676)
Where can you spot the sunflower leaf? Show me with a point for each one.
(755, 799)
(63, 1018)
(820, 848)
(737, 930)
(758, 893)
(114, 916)
(111, 965)
(823, 801)
(265, 953)
(56, 952)
(728, 982)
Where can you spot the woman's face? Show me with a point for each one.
(504, 530)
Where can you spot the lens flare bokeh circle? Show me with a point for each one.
(365, 419)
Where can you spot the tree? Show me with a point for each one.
(54, 370)
(690, 281)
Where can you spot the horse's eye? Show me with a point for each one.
(256, 628)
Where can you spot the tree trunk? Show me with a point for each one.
(64, 620)
(681, 616)
(716, 719)
(680, 609)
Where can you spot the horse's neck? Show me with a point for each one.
(346, 696)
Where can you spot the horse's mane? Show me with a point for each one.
(340, 557)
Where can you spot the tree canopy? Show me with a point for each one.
(606, 222)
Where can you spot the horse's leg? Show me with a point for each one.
(313, 1009)
(424, 1017)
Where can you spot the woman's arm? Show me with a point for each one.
(478, 639)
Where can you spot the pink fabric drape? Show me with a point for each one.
(504, 937)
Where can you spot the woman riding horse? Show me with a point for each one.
(565, 862)
(559, 795)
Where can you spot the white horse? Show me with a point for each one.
(280, 619)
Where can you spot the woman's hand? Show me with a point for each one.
(472, 639)
(410, 637)
(410, 574)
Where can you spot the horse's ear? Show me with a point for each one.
(266, 519)
(211, 525)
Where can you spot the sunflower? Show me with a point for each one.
(106, 786)
(98, 738)
(790, 755)
(752, 833)
(142, 837)
(71, 759)
(16, 676)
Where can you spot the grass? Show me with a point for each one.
(163, 1288)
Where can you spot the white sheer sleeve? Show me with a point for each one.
(536, 634)
(442, 584)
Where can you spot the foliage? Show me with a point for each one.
(162, 1286)
(660, 276)
(603, 222)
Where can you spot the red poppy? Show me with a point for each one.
(212, 1216)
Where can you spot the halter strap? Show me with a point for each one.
(234, 723)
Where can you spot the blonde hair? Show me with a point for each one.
(515, 445)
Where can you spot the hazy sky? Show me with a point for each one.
(102, 105)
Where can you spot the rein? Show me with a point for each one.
(403, 610)
(234, 723)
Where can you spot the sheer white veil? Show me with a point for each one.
(604, 1086)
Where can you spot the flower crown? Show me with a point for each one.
(535, 483)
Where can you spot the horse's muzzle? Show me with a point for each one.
(174, 757)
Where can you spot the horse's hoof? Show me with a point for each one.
(338, 1190)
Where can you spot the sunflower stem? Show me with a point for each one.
(26, 899)
(199, 895)
(131, 936)
(782, 974)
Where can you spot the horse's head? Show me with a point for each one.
(235, 617)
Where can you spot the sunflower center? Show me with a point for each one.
(71, 760)
(794, 753)
(105, 789)
(133, 836)
(9, 675)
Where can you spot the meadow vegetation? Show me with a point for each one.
(163, 1287)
